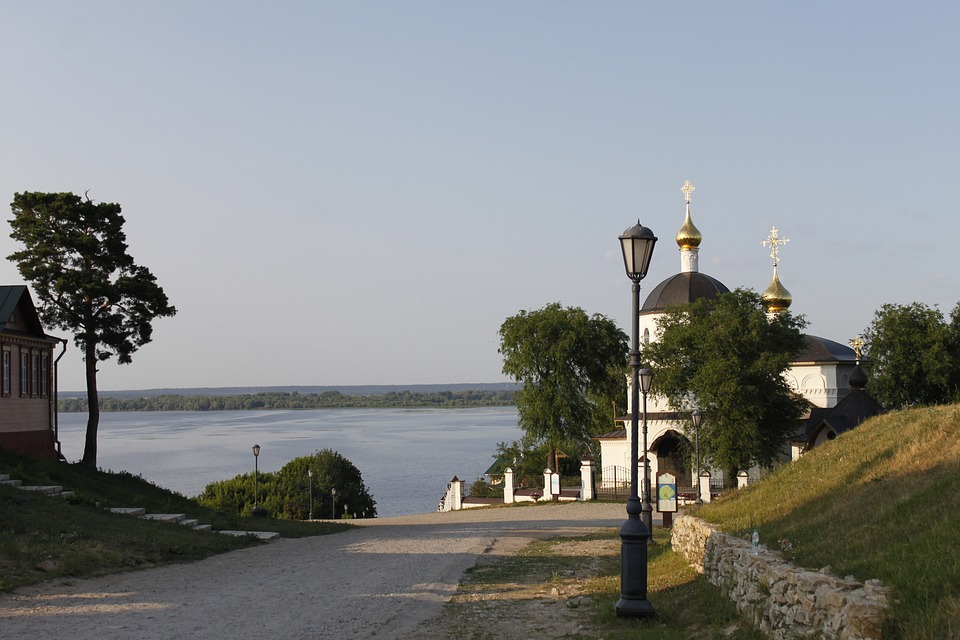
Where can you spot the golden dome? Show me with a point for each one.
(689, 236)
(776, 298)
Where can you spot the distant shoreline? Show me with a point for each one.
(285, 398)
(349, 390)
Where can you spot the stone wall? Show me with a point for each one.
(783, 600)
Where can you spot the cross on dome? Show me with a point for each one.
(774, 241)
(687, 189)
(858, 344)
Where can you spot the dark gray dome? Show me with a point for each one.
(858, 379)
(819, 349)
(682, 288)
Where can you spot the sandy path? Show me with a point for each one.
(380, 580)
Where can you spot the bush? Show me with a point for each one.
(286, 493)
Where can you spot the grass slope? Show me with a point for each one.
(880, 501)
(42, 538)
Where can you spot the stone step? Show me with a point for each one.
(66, 495)
(11, 483)
(164, 517)
(266, 536)
(202, 527)
(129, 511)
(189, 522)
(4, 477)
(45, 490)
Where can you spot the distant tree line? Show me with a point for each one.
(296, 400)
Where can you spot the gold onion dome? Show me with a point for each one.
(776, 298)
(689, 236)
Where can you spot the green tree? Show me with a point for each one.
(912, 355)
(572, 367)
(286, 493)
(724, 356)
(75, 256)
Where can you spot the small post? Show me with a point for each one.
(705, 486)
(586, 479)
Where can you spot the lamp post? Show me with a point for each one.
(333, 512)
(310, 481)
(637, 244)
(646, 378)
(257, 511)
(697, 419)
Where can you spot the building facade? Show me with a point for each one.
(28, 359)
(821, 373)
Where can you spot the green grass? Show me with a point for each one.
(881, 501)
(685, 605)
(513, 596)
(43, 538)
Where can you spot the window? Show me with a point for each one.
(5, 374)
(35, 374)
(24, 373)
(44, 375)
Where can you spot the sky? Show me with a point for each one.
(341, 193)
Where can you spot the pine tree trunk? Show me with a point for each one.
(93, 407)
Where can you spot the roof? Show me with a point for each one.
(683, 288)
(849, 413)
(9, 299)
(819, 349)
(618, 434)
(18, 296)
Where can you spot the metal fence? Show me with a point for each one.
(613, 483)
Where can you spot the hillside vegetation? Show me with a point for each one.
(43, 538)
(880, 501)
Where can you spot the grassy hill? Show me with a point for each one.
(43, 538)
(881, 501)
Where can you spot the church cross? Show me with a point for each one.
(858, 344)
(774, 241)
(687, 189)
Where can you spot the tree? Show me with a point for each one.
(912, 352)
(572, 367)
(337, 483)
(75, 256)
(724, 356)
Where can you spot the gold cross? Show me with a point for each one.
(858, 344)
(687, 189)
(774, 241)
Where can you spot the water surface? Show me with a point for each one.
(406, 456)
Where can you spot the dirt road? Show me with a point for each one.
(380, 580)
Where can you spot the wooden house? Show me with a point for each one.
(28, 418)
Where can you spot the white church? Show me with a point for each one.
(827, 374)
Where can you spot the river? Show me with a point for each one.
(406, 456)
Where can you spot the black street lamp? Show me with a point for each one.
(310, 481)
(257, 511)
(333, 513)
(637, 244)
(697, 419)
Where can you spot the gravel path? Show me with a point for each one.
(379, 580)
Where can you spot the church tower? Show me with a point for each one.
(776, 298)
(689, 237)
